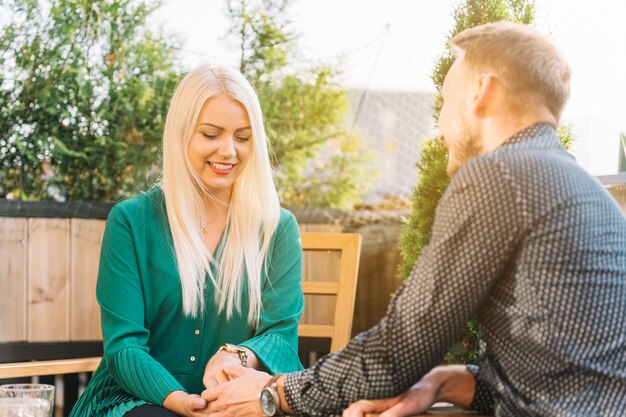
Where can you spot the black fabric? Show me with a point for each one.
(150, 410)
(53, 209)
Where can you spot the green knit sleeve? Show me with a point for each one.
(275, 342)
(119, 293)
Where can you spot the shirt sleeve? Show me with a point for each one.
(484, 394)
(474, 236)
(275, 341)
(121, 300)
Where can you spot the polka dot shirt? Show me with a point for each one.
(532, 246)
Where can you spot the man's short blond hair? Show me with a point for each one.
(524, 60)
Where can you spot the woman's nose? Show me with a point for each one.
(227, 147)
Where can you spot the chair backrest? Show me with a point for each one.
(51, 367)
(349, 247)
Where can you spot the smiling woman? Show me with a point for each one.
(202, 271)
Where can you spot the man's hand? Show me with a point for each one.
(416, 400)
(183, 404)
(239, 396)
(214, 374)
(454, 384)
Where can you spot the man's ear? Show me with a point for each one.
(485, 96)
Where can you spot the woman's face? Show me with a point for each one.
(221, 144)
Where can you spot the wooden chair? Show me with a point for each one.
(349, 246)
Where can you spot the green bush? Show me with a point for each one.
(84, 94)
(318, 160)
(84, 90)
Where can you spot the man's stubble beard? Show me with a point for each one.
(467, 147)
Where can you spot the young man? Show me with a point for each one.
(524, 240)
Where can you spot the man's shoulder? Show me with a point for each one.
(481, 171)
(519, 164)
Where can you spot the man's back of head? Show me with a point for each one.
(523, 60)
(506, 77)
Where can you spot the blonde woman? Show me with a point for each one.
(204, 269)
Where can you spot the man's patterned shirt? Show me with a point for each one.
(532, 246)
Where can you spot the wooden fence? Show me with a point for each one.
(48, 277)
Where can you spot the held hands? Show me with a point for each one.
(454, 384)
(183, 404)
(239, 396)
(214, 374)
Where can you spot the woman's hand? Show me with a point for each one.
(214, 374)
(239, 397)
(454, 384)
(183, 404)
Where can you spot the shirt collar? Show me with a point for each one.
(539, 135)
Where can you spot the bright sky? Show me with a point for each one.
(591, 36)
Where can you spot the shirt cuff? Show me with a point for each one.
(274, 353)
(139, 374)
(484, 395)
(293, 387)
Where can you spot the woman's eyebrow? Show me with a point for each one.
(221, 128)
(212, 125)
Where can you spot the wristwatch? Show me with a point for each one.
(243, 356)
(269, 400)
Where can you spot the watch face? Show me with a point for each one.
(266, 399)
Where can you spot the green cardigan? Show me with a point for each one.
(150, 347)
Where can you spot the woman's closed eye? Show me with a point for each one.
(240, 138)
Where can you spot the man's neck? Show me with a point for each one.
(498, 130)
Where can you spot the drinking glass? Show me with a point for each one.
(26, 400)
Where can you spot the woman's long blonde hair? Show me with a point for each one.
(254, 209)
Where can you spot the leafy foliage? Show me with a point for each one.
(432, 182)
(318, 161)
(83, 96)
(566, 135)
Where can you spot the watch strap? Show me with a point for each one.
(272, 386)
(243, 355)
